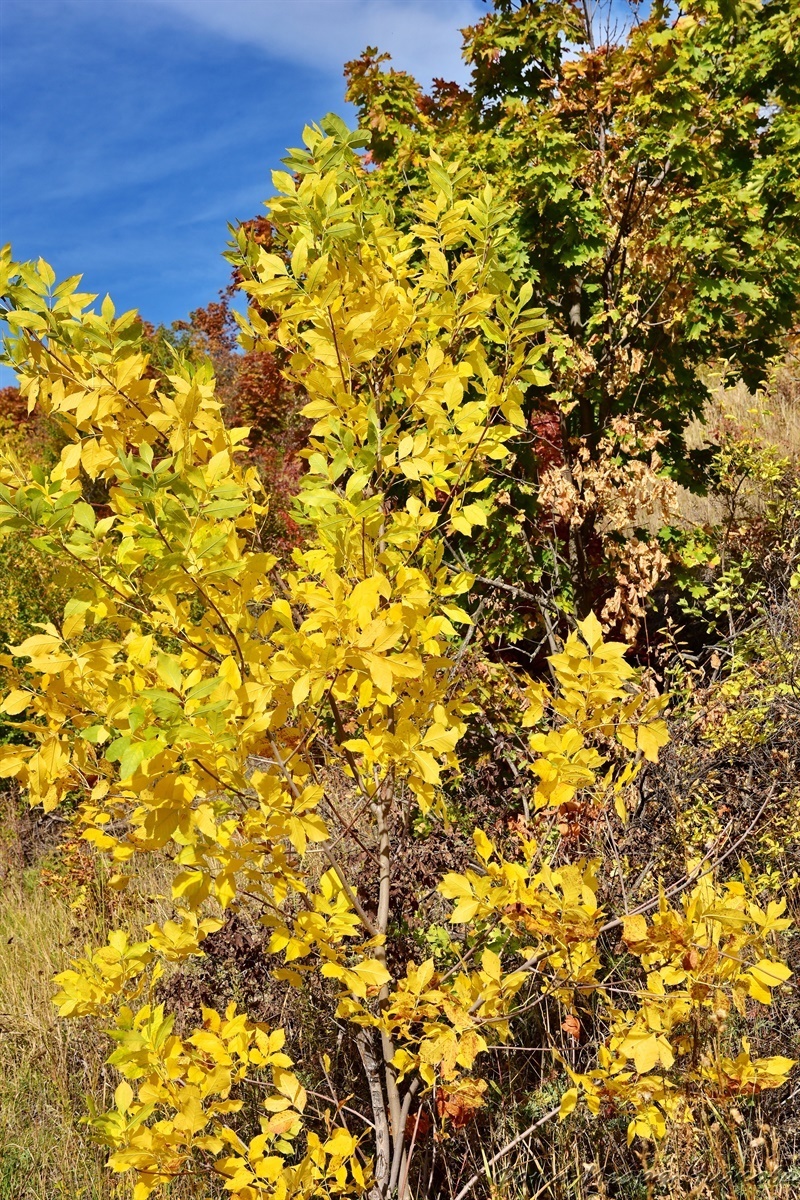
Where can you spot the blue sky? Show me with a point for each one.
(132, 131)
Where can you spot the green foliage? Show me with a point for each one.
(657, 219)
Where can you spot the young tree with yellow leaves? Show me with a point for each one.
(251, 727)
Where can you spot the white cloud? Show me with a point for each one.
(423, 36)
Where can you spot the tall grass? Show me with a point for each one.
(55, 902)
(770, 417)
(49, 1066)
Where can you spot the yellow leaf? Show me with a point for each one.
(591, 631)
(372, 972)
(651, 1051)
(225, 889)
(16, 702)
(483, 846)
(490, 963)
(456, 614)
(123, 1096)
(765, 975)
(13, 759)
(441, 740)
(300, 689)
(777, 1067)
(340, 1144)
(290, 1087)
(428, 767)
(381, 673)
(425, 974)
(464, 911)
(650, 738)
(461, 524)
(454, 887)
(634, 929)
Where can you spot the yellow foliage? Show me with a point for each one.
(196, 703)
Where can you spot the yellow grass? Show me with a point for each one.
(49, 1065)
(772, 417)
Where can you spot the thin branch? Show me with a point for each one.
(521, 1137)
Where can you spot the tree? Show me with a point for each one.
(266, 731)
(651, 165)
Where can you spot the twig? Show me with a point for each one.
(521, 1137)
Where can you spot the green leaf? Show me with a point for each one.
(84, 515)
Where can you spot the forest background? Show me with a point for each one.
(466, 562)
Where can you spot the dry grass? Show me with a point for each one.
(771, 418)
(51, 1065)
